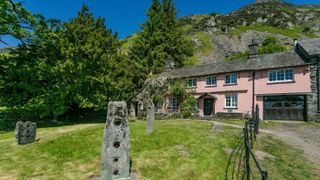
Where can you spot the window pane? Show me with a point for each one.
(234, 79)
(194, 83)
(289, 74)
(234, 101)
(211, 81)
(272, 76)
(208, 81)
(227, 79)
(280, 75)
(228, 101)
(173, 102)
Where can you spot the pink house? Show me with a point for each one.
(284, 85)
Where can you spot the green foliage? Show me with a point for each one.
(15, 20)
(188, 106)
(161, 39)
(241, 55)
(178, 90)
(270, 40)
(271, 45)
(206, 46)
(296, 32)
(66, 68)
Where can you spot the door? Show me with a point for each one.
(284, 108)
(208, 107)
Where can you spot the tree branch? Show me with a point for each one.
(3, 42)
(13, 5)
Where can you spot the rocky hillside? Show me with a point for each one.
(218, 37)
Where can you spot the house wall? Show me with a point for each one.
(243, 88)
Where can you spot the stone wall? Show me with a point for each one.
(312, 99)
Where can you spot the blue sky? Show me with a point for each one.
(125, 16)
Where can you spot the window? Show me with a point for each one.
(211, 81)
(230, 79)
(281, 75)
(191, 83)
(173, 102)
(231, 101)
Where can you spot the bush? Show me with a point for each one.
(188, 106)
(271, 45)
(241, 55)
(178, 90)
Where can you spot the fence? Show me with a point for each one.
(239, 160)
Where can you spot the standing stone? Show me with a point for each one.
(150, 117)
(116, 143)
(216, 127)
(25, 132)
(132, 111)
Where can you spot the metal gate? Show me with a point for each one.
(285, 107)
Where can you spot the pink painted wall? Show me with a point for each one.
(243, 89)
(300, 84)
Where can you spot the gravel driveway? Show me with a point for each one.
(304, 136)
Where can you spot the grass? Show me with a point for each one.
(206, 47)
(204, 50)
(288, 159)
(127, 43)
(293, 33)
(178, 149)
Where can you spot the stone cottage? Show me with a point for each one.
(285, 85)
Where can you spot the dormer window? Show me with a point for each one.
(230, 79)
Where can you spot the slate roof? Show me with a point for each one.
(310, 46)
(270, 61)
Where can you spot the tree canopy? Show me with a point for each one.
(15, 20)
(161, 39)
(65, 67)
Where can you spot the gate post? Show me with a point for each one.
(116, 143)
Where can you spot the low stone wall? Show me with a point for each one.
(229, 115)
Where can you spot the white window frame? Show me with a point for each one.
(277, 74)
(230, 76)
(211, 85)
(233, 101)
(173, 102)
(194, 83)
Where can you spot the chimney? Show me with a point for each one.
(253, 49)
(169, 64)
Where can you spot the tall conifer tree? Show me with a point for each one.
(160, 39)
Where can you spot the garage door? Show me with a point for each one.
(284, 108)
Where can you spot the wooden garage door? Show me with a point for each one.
(284, 107)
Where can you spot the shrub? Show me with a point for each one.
(188, 106)
(241, 55)
(178, 90)
(271, 45)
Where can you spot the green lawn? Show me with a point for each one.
(178, 149)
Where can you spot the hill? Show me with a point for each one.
(220, 36)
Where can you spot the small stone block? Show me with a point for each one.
(25, 132)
